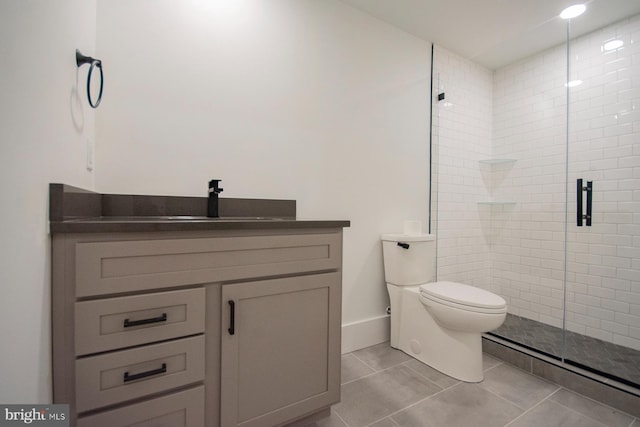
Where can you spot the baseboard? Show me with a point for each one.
(365, 333)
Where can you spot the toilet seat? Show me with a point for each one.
(463, 297)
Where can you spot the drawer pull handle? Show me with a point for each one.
(141, 375)
(129, 323)
(232, 318)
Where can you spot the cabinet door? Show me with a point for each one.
(280, 349)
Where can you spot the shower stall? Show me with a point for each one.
(536, 193)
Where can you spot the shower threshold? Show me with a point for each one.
(612, 361)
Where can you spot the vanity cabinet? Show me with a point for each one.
(280, 349)
(196, 328)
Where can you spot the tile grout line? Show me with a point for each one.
(500, 362)
(515, 404)
(571, 409)
(533, 407)
(594, 401)
(405, 364)
(340, 418)
(358, 379)
(353, 353)
(374, 369)
(370, 374)
(443, 389)
(413, 404)
(383, 418)
(429, 379)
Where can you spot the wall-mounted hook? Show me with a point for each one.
(81, 60)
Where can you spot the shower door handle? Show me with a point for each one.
(580, 217)
(589, 191)
(579, 202)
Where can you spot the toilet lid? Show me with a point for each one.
(463, 294)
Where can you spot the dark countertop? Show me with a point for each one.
(73, 210)
(144, 224)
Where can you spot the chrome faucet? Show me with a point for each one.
(212, 206)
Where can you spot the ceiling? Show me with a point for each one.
(495, 33)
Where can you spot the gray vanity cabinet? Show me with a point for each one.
(280, 349)
(142, 330)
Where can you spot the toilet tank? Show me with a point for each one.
(409, 260)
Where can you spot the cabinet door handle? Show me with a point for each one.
(129, 323)
(232, 317)
(146, 374)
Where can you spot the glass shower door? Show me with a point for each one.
(602, 310)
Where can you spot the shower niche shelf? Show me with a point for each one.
(496, 161)
(496, 203)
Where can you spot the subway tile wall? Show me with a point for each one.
(462, 129)
(515, 245)
(530, 126)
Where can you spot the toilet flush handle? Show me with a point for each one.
(403, 245)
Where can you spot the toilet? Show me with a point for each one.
(438, 323)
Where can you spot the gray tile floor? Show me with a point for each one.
(383, 387)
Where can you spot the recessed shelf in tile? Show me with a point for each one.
(496, 161)
(496, 203)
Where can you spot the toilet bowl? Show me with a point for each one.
(462, 307)
(438, 323)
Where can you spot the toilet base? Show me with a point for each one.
(454, 353)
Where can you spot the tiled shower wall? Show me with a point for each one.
(462, 127)
(521, 234)
(530, 127)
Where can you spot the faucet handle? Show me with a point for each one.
(213, 186)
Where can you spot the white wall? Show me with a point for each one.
(44, 123)
(298, 99)
(306, 100)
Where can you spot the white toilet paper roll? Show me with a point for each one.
(412, 228)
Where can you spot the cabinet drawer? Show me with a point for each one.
(183, 409)
(127, 321)
(125, 266)
(116, 377)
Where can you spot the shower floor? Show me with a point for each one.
(611, 360)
